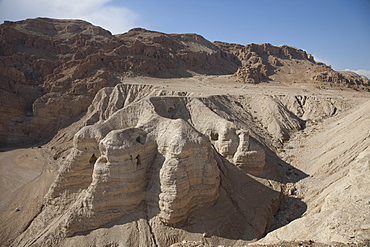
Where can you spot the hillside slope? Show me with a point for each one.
(153, 139)
(337, 156)
(50, 70)
(100, 188)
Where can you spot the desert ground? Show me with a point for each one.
(153, 139)
(332, 152)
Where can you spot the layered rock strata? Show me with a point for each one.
(50, 70)
(141, 165)
(265, 62)
(250, 159)
(179, 165)
(153, 154)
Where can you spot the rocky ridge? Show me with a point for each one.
(157, 158)
(48, 65)
(175, 162)
(265, 62)
(143, 164)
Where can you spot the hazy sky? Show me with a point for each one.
(336, 32)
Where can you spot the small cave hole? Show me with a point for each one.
(138, 162)
(214, 136)
(93, 159)
(169, 109)
(141, 139)
(138, 139)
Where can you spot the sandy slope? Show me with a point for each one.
(226, 84)
(336, 155)
(333, 152)
(324, 169)
(26, 175)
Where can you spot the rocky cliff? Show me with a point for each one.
(43, 60)
(265, 62)
(203, 157)
(175, 167)
(52, 69)
(164, 159)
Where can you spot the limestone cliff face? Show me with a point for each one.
(173, 166)
(265, 62)
(143, 166)
(157, 158)
(188, 174)
(49, 65)
(249, 158)
(52, 69)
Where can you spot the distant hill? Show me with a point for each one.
(153, 139)
(72, 59)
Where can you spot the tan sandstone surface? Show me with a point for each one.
(152, 139)
(138, 123)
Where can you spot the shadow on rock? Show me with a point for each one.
(244, 209)
(281, 171)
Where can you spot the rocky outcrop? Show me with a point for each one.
(175, 167)
(149, 167)
(46, 64)
(141, 165)
(250, 159)
(49, 65)
(328, 77)
(259, 62)
(154, 156)
(265, 62)
(34, 54)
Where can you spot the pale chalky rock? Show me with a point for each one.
(250, 161)
(202, 159)
(189, 176)
(160, 159)
(118, 179)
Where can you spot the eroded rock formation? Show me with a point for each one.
(143, 166)
(265, 62)
(155, 156)
(49, 65)
(250, 158)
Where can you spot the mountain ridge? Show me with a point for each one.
(152, 139)
(46, 58)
